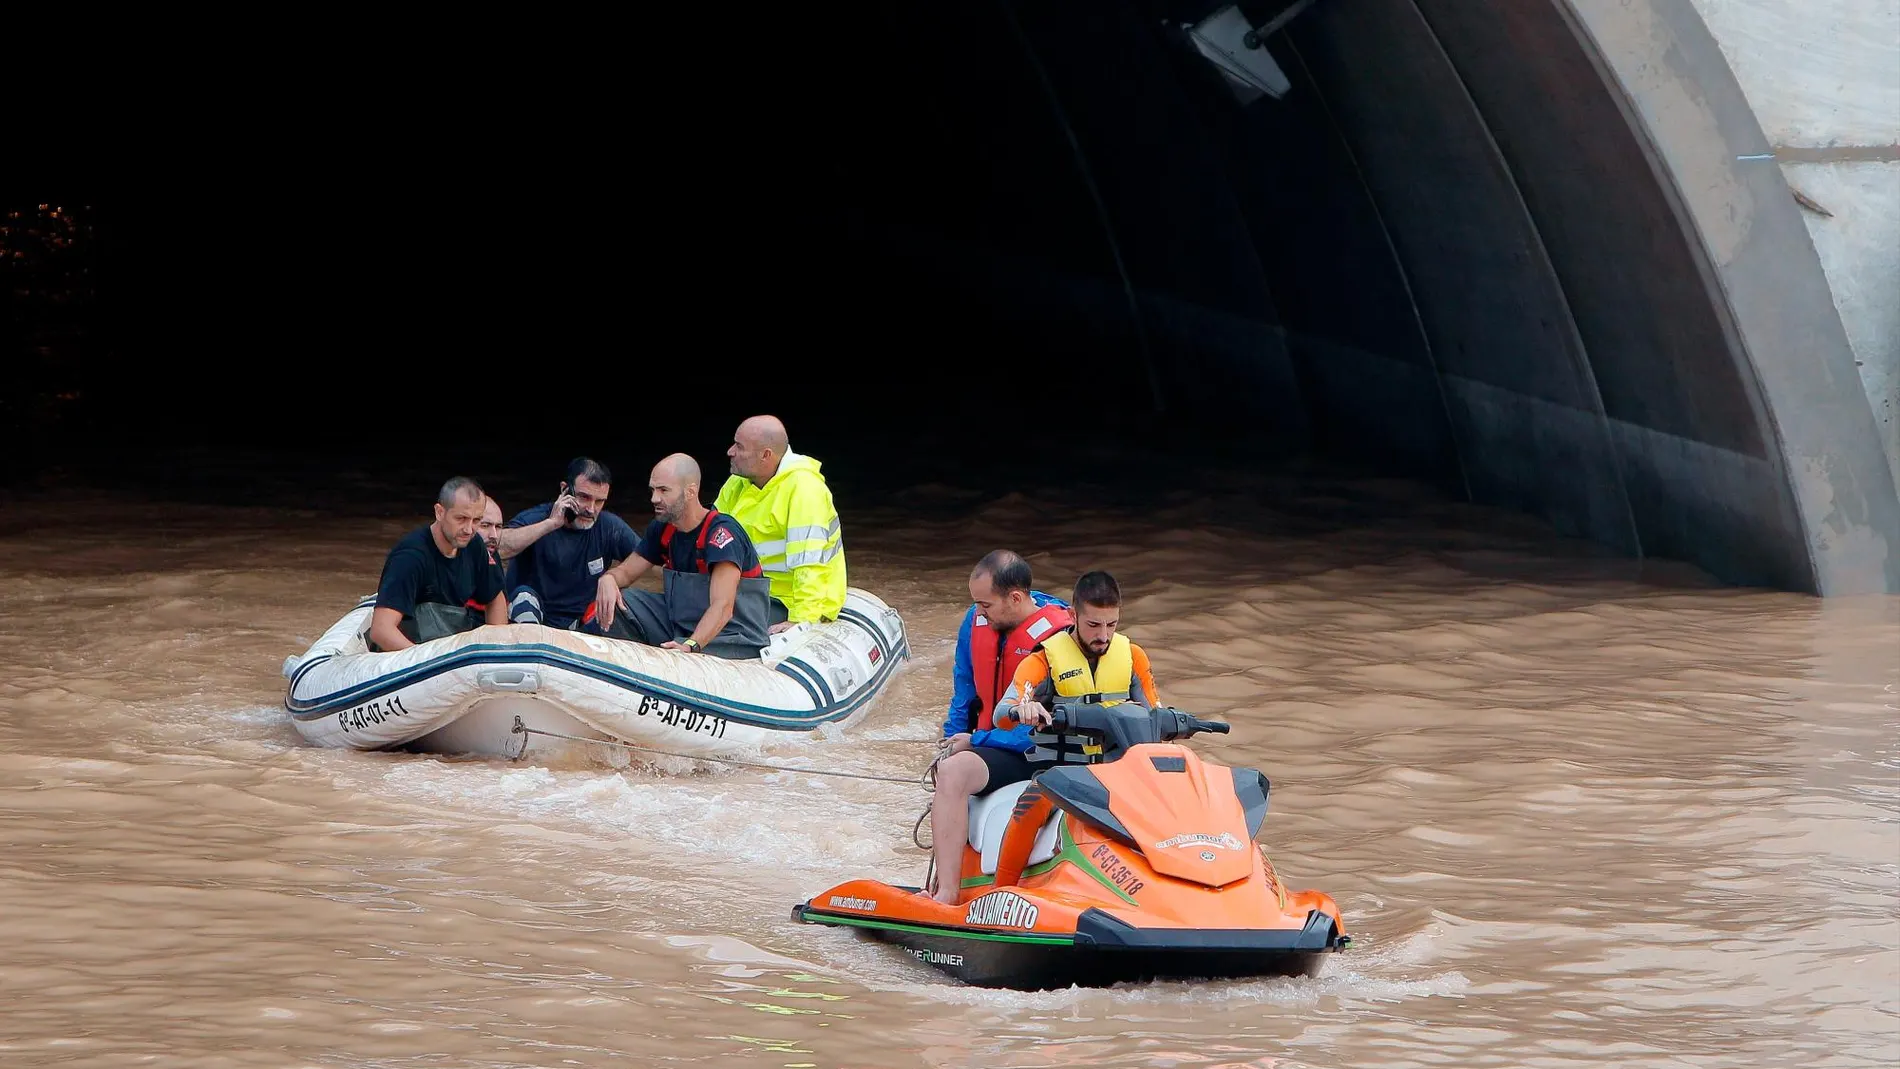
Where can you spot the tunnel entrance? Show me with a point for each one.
(1454, 241)
(1507, 247)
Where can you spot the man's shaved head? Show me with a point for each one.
(764, 432)
(675, 490)
(678, 469)
(758, 447)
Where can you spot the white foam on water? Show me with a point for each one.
(704, 821)
(1345, 985)
(266, 715)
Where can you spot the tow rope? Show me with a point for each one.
(927, 780)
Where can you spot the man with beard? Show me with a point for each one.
(490, 531)
(715, 596)
(558, 551)
(436, 578)
(1086, 661)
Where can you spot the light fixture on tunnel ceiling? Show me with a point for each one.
(1231, 42)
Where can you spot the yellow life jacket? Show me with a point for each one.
(1111, 682)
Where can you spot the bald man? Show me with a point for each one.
(715, 596)
(783, 503)
(490, 530)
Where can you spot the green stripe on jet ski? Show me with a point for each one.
(1066, 850)
(947, 933)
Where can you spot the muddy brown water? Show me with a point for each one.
(1576, 811)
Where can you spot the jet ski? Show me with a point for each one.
(1132, 860)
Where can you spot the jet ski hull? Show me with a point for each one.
(1101, 952)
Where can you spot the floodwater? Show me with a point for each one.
(1576, 812)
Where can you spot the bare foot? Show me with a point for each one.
(945, 893)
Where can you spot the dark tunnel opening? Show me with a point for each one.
(1456, 249)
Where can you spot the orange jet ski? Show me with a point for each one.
(1131, 861)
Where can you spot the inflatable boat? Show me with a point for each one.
(515, 690)
(1138, 866)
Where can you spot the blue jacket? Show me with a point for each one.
(963, 690)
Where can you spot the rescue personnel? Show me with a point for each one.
(782, 501)
(437, 578)
(556, 552)
(1087, 660)
(1005, 620)
(490, 530)
(715, 597)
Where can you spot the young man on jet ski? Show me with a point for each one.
(1086, 659)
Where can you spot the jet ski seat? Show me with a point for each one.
(989, 815)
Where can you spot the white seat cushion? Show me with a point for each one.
(989, 816)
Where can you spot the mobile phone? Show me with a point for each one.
(567, 511)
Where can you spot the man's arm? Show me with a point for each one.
(962, 680)
(1032, 677)
(490, 592)
(812, 539)
(1144, 676)
(724, 594)
(808, 596)
(395, 598)
(385, 629)
(1032, 670)
(615, 579)
(517, 536)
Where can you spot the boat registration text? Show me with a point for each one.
(681, 716)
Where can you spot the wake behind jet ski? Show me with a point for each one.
(1136, 863)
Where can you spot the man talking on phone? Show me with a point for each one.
(558, 550)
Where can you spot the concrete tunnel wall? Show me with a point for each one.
(1823, 77)
(1536, 251)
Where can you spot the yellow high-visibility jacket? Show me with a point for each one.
(794, 526)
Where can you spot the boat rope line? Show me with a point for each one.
(926, 780)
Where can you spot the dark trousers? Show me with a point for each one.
(670, 616)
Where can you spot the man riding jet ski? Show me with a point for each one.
(1131, 859)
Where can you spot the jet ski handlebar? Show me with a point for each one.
(1130, 723)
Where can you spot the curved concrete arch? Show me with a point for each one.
(1587, 296)
(1762, 278)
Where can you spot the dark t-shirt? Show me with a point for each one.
(726, 541)
(495, 566)
(416, 572)
(564, 566)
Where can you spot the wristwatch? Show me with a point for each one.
(691, 644)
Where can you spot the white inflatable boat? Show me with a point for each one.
(515, 690)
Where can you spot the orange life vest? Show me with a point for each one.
(994, 655)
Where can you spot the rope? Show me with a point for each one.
(916, 830)
(928, 779)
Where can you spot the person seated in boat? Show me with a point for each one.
(783, 502)
(437, 581)
(490, 531)
(715, 597)
(1088, 660)
(557, 551)
(1006, 618)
